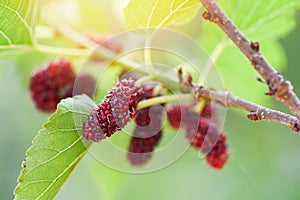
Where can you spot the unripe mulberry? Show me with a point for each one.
(51, 84)
(118, 108)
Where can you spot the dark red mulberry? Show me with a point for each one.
(217, 157)
(201, 131)
(140, 149)
(51, 84)
(115, 111)
(84, 84)
(177, 114)
(147, 133)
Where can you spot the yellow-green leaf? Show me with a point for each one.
(141, 14)
(17, 18)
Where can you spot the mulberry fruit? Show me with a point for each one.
(118, 108)
(51, 84)
(197, 127)
(147, 133)
(178, 113)
(174, 114)
(217, 157)
(140, 149)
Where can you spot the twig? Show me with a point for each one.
(279, 87)
(257, 112)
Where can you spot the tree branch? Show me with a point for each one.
(279, 87)
(257, 112)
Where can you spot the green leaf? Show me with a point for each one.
(141, 14)
(17, 20)
(263, 21)
(56, 150)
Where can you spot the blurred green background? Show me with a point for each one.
(264, 158)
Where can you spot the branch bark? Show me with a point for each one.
(279, 87)
(257, 112)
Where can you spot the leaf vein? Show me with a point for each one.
(6, 37)
(55, 156)
(18, 16)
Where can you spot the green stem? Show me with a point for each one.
(165, 99)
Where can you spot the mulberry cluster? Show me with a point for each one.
(147, 133)
(201, 131)
(118, 108)
(55, 82)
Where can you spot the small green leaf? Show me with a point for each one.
(56, 150)
(17, 20)
(141, 14)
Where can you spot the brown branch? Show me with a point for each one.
(279, 87)
(257, 112)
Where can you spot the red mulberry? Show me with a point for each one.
(140, 149)
(177, 114)
(114, 112)
(174, 114)
(217, 157)
(51, 84)
(147, 133)
(201, 132)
